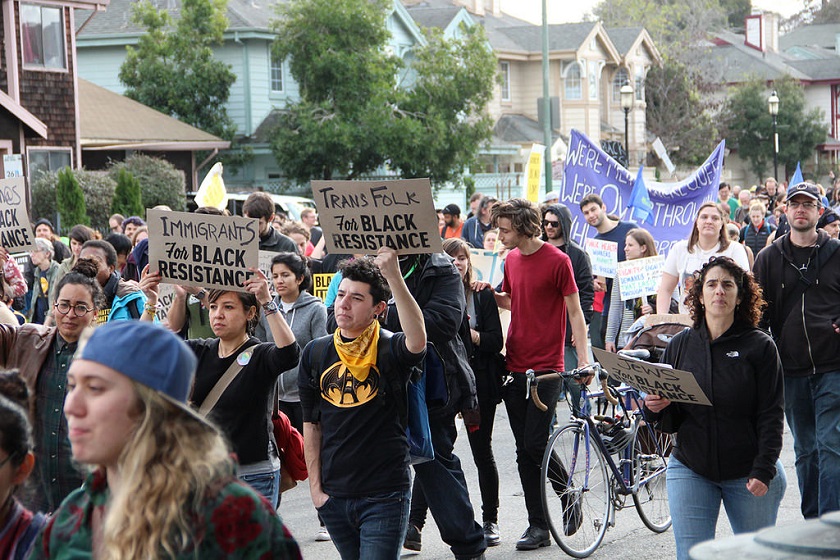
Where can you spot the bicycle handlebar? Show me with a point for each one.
(533, 377)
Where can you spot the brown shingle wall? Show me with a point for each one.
(49, 95)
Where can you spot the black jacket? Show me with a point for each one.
(438, 290)
(801, 321)
(581, 265)
(277, 242)
(740, 435)
(756, 239)
(485, 358)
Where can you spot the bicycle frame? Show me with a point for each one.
(630, 398)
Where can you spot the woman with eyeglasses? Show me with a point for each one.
(708, 239)
(43, 356)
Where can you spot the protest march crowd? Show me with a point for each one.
(148, 412)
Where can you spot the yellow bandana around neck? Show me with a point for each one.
(359, 354)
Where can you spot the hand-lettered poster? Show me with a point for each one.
(673, 384)
(15, 230)
(202, 250)
(359, 217)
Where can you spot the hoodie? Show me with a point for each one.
(308, 320)
(580, 264)
(804, 335)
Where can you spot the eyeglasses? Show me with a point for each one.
(806, 205)
(79, 310)
(551, 223)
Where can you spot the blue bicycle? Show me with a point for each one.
(595, 461)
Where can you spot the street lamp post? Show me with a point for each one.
(626, 92)
(773, 106)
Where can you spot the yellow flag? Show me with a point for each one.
(212, 190)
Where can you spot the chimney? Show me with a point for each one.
(771, 32)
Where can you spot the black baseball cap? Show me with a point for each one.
(808, 189)
(452, 210)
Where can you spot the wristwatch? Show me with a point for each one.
(270, 308)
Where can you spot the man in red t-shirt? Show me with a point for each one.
(539, 289)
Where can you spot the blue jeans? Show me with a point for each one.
(812, 408)
(695, 503)
(267, 484)
(445, 489)
(371, 528)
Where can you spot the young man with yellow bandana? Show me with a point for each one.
(354, 439)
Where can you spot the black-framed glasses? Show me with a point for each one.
(552, 223)
(79, 310)
(806, 205)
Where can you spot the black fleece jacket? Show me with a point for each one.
(740, 435)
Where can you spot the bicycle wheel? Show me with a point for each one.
(576, 491)
(650, 451)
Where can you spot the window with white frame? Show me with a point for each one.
(639, 86)
(572, 83)
(48, 160)
(276, 73)
(619, 80)
(42, 36)
(504, 69)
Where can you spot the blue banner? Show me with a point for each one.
(674, 205)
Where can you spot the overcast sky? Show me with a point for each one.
(570, 11)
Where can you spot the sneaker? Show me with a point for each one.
(322, 535)
(491, 533)
(412, 538)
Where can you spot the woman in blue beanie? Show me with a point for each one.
(164, 483)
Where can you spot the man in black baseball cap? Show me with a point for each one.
(453, 222)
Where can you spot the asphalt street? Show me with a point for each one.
(628, 538)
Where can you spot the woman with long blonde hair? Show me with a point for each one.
(164, 484)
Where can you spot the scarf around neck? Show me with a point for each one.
(359, 354)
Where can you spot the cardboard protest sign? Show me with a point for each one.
(15, 229)
(673, 384)
(487, 266)
(202, 250)
(166, 295)
(639, 277)
(359, 217)
(320, 284)
(604, 257)
(533, 171)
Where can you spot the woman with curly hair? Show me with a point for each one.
(727, 452)
(164, 484)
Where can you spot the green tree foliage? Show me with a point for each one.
(360, 109)
(335, 51)
(70, 200)
(677, 114)
(160, 181)
(98, 189)
(736, 11)
(172, 68)
(442, 123)
(127, 198)
(750, 126)
(671, 23)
